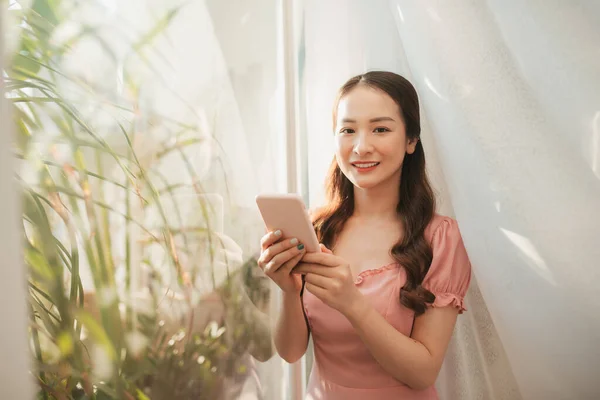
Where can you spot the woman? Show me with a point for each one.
(382, 298)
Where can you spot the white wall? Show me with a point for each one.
(15, 380)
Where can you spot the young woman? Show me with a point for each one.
(382, 298)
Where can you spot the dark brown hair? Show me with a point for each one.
(416, 206)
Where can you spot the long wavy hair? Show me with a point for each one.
(416, 206)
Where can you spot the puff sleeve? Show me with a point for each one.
(449, 275)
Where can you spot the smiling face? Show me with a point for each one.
(371, 139)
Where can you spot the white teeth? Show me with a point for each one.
(366, 165)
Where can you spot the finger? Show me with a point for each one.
(289, 265)
(271, 251)
(318, 280)
(327, 259)
(305, 268)
(270, 238)
(280, 247)
(280, 259)
(319, 292)
(324, 249)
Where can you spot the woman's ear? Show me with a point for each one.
(411, 145)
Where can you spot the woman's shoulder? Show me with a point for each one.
(441, 222)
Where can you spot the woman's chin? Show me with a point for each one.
(365, 183)
(372, 181)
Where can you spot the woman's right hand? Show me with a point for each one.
(278, 258)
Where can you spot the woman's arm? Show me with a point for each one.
(414, 361)
(277, 260)
(291, 330)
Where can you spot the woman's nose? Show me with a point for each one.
(362, 144)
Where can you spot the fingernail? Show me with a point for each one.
(300, 246)
(294, 241)
(277, 233)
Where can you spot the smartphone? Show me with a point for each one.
(287, 213)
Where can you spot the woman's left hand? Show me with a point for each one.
(329, 278)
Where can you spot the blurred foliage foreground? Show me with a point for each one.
(92, 204)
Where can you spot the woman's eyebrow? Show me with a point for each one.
(377, 119)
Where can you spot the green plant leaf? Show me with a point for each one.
(38, 263)
(141, 395)
(46, 9)
(156, 30)
(64, 341)
(44, 315)
(97, 332)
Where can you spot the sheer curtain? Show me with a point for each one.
(510, 95)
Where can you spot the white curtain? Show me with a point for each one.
(510, 95)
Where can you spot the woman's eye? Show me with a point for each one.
(347, 130)
(381, 130)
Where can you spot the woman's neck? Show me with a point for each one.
(377, 202)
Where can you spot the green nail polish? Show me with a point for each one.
(300, 246)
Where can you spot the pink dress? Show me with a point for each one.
(344, 369)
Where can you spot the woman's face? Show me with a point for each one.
(371, 139)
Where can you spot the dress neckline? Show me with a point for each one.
(373, 271)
